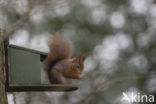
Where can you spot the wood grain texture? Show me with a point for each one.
(3, 97)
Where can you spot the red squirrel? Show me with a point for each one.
(59, 65)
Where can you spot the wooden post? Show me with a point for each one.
(3, 94)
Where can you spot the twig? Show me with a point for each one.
(11, 28)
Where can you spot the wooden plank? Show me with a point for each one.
(41, 87)
(28, 49)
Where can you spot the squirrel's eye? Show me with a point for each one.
(78, 66)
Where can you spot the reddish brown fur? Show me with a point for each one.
(58, 64)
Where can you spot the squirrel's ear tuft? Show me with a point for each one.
(83, 57)
(79, 58)
(76, 59)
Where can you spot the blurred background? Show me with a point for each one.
(119, 37)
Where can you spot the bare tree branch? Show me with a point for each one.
(109, 83)
(11, 28)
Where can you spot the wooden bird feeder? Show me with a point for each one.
(23, 70)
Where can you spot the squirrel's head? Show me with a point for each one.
(77, 66)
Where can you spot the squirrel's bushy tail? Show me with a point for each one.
(59, 49)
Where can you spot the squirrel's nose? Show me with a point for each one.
(79, 77)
